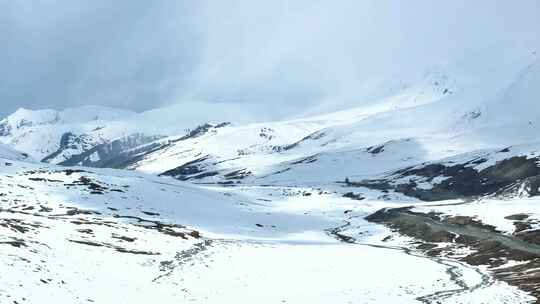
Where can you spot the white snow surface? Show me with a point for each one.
(66, 240)
(7, 153)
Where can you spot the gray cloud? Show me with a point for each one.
(299, 54)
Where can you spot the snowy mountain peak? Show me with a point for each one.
(27, 118)
(40, 133)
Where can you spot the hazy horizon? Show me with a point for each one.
(289, 56)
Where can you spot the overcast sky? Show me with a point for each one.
(295, 54)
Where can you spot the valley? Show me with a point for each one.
(139, 238)
(421, 197)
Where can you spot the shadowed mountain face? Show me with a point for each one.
(76, 151)
(484, 174)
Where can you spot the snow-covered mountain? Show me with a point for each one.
(43, 132)
(438, 176)
(416, 125)
(92, 134)
(459, 112)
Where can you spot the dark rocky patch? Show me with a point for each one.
(237, 174)
(88, 243)
(529, 236)
(168, 229)
(375, 149)
(17, 243)
(202, 129)
(18, 225)
(426, 246)
(133, 251)
(195, 234)
(517, 217)
(93, 186)
(117, 248)
(44, 209)
(108, 153)
(39, 179)
(490, 247)
(201, 168)
(69, 172)
(187, 169)
(521, 226)
(313, 136)
(85, 231)
(182, 258)
(150, 213)
(526, 276)
(354, 196)
(123, 238)
(462, 180)
(306, 160)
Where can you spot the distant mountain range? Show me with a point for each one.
(437, 181)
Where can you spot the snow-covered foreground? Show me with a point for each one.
(335, 273)
(107, 236)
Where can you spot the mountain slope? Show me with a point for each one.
(8, 153)
(41, 133)
(353, 143)
(67, 136)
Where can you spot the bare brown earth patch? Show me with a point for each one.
(488, 246)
